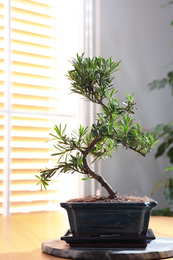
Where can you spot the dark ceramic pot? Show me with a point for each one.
(118, 219)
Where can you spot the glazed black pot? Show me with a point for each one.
(117, 219)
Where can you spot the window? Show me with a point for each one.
(37, 38)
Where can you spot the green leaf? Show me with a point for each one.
(168, 190)
(38, 177)
(161, 149)
(158, 84)
(170, 74)
(169, 168)
(42, 182)
(168, 128)
(157, 186)
(170, 154)
(159, 128)
(159, 183)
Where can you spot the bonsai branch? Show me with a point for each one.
(131, 148)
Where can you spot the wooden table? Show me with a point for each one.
(21, 235)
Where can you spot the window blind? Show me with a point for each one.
(35, 99)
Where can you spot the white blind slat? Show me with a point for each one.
(38, 98)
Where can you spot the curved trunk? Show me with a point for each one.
(96, 176)
(100, 179)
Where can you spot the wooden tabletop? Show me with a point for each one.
(21, 235)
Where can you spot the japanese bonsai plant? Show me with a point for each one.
(92, 78)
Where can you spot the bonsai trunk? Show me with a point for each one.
(97, 177)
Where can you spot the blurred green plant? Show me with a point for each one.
(165, 134)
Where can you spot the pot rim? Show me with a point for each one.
(151, 203)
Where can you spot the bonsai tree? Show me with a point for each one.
(114, 125)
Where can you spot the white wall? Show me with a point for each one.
(138, 32)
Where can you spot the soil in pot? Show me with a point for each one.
(104, 199)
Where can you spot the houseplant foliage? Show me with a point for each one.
(92, 78)
(165, 134)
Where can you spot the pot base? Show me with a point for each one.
(109, 240)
